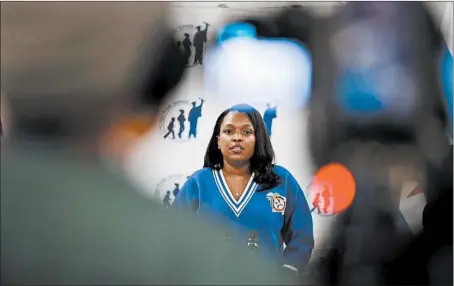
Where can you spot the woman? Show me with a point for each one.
(240, 185)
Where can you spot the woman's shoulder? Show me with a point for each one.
(201, 173)
(286, 176)
(281, 171)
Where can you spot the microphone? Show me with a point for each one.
(253, 243)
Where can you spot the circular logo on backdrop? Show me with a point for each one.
(169, 187)
(179, 120)
(191, 39)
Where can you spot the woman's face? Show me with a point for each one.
(237, 137)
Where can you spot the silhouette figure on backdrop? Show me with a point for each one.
(170, 128)
(268, 117)
(176, 190)
(180, 47)
(193, 117)
(200, 38)
(166, 199)
(316, 203)
(181, 120)
(326, 199)
(187, 47)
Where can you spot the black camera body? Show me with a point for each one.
(375, 77)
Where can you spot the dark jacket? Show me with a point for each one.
(67, 221)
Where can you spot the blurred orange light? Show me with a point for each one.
(341, 183)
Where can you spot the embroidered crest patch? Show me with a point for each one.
(277, 202)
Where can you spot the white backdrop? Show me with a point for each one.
(156, 164)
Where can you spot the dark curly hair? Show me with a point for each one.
(262, 162)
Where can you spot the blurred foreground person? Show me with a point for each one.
(4, 116)
(69, 71)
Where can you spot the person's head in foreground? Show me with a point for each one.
(240, 141)
(76, 72)
(70, 71)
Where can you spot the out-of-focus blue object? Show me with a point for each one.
(356, 93)
(376, 72)
(234, 30)
(446, 78)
